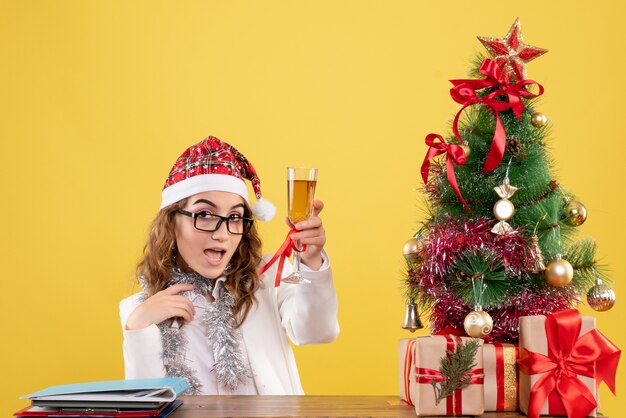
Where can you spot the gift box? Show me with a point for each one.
(427, 379)
(501, 376)
(406, 347)
(563, 359)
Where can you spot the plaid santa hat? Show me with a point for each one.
(213, 165)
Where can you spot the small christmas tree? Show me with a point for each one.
(498, 243)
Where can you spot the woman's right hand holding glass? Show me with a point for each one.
(311, 233)
(167, 303)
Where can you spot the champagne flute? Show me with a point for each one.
(301, 182)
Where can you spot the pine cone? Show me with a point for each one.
(513, 145)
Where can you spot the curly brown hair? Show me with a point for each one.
(159, 257)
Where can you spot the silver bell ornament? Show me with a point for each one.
(412, 320)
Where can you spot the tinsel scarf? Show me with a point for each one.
(230, 365)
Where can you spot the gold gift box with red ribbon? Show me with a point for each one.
(563, 359)
(501, 376)
(428, 353)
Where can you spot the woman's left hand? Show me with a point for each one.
(311, 233)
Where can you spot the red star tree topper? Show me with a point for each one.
(511, 53)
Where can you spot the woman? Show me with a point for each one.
(205, 313)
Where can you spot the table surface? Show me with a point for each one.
(302, 406)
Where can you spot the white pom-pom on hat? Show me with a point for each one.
(264, 209)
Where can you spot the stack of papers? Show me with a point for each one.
(113, 398)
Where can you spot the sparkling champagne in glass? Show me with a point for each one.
(301, 182)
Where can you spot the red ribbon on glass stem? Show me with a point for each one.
(283, 252)
(464, 92)
(591, 355)
(454, 155)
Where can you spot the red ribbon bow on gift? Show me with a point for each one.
(591, 355)
(283, 252)
(464, 92)
(454, 155)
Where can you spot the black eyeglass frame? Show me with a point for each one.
(247, 222)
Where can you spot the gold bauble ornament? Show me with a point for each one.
(466, 150)
(600, 297)
(576, 213)
(559, 272)
(539, 119)
(411, 249)
(478, 324)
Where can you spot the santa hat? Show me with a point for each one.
(213, 165)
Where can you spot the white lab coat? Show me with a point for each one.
(307, 313)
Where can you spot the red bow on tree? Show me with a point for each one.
(454, 155)
(464, 92)
(591, 355)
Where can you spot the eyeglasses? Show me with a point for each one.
(209, 222)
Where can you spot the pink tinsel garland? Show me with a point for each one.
(449, 239)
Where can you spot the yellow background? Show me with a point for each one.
(99, 98)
